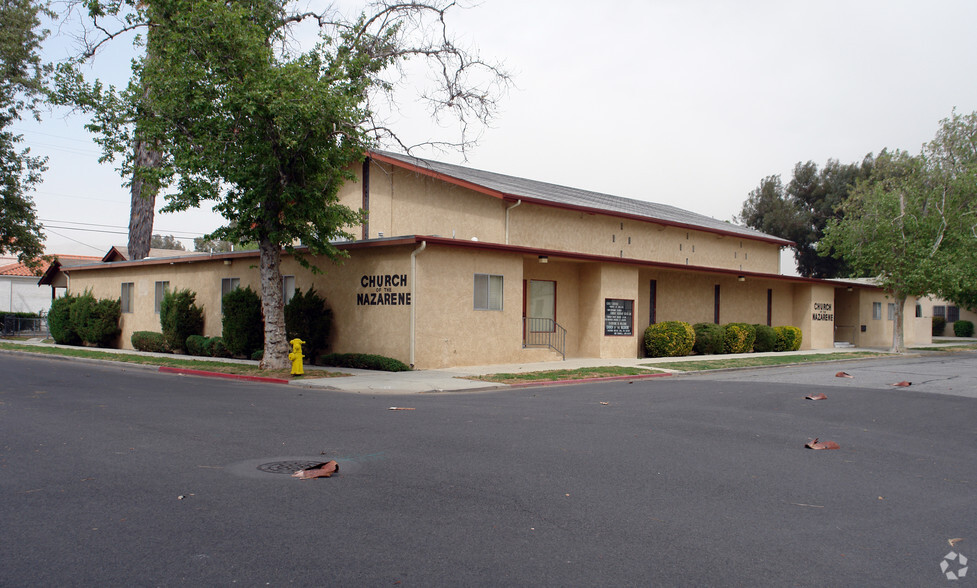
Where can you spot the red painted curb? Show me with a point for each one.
(172, 370)
(588, 380)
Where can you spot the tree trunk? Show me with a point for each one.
(276, 347)
(143, 202)
(898, 324)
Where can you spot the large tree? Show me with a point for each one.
(20, 91)
(911, 224)
(801, 210)
(268, 133)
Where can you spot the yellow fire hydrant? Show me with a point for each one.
(296, 356)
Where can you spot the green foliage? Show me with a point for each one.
(669, 339)
(166, 242)
(243, 329)
(21, 88)
(258, 354)
(215, 347)
(149, 341)
(801, 211)
(738, 338)
(766, 339)
(96, 321)
(308, 318)
(363, 361)
(939, 325)
(59, 321)
(708, 338)
(197, 345)
(963, 329)
(788, 338)
(180, 317)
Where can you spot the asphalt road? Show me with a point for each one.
(682, 481)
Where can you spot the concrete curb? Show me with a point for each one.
(588, 380)
(188, 372)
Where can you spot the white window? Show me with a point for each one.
(127, 291)
(161, 288)
(288, 288)
(488, 292)
(892, 311)
(877, 311)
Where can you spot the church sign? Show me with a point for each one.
(383, 290)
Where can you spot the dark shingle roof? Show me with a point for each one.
(575, 197)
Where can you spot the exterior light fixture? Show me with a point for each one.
(849, 288)
(544, 259)
(227, 262)
(740, 278)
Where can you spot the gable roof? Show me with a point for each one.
(121, 253)
(514, 188)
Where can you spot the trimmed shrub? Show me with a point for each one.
(258, 354)
(766, 339)
(149, 341)
(963, 329)
(96, 321)
(708, 338)
(216, 348)
(788, 338)
(669, 339)
(242, 327)
(59, 321)
(180, 317)
(308, 318)
(197, 345)
(738, 338)
(363, 361)
(939, 324)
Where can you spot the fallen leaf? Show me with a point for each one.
(825, 445)
(399, 408)
(843, 375)
(903, 384)
(953, 542)
(323, 470)
(605, 403)
(820, 396)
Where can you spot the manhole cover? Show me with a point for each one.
(288, 467)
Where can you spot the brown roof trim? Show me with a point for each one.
(411, 240)
(540, 202)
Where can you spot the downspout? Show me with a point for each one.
(413, 295)
(518, 202)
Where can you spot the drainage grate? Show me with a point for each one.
(288, 467)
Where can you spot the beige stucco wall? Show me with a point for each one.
(929, 302)
(403, 202)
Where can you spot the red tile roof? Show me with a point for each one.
(19, 269)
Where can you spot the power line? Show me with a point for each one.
(75, 240)
(185, 234)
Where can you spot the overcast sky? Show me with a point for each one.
(686, 103)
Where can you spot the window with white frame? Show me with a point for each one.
(288, 288)
(892, 311)
(877, 311)
(488, 292)
(128, 289)
(161, 289)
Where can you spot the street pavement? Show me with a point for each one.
(120, 476)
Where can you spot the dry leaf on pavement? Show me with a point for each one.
(822, 445)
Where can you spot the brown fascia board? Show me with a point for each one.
(480, 245)
(516, 197)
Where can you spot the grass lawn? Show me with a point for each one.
(723, 361)
(961, 347)
(175, 361)
(577, 374)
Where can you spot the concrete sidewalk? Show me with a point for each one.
(453, 379)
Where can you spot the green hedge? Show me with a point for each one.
(669, 339)
(197, 345)
(708, 338)
(242, 326)
(939, 323)
(59, 321)
(179, 318)
(766, 339)
(96, 321)
(216, 348)
(363, 361)
(307, 317)
(788, 338)
(963, 328)
(738, 338)
(149, 341)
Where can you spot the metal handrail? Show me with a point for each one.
(544, 332)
